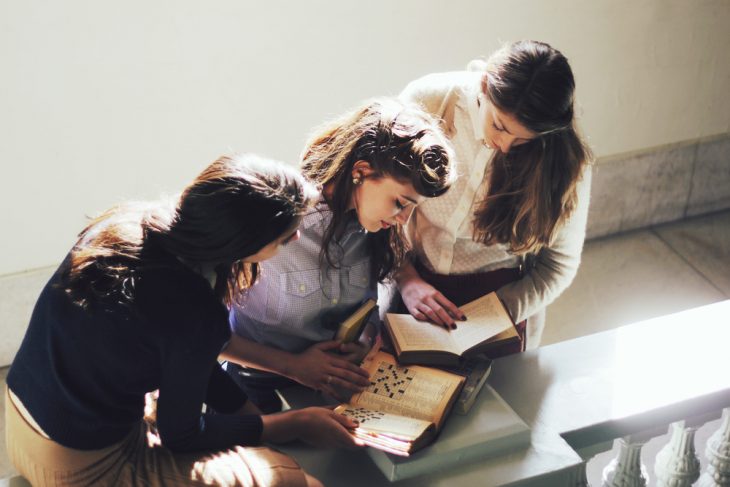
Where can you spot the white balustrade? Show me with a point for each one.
(717, 473)
(677, 464)
(626, 470)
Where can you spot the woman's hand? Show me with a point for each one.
(321, 369)
(354, 352)
(425, 302)
(314, 425)
(324, 427)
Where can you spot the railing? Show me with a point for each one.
(630, 385)
(677, 464)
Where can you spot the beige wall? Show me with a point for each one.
(102, 101)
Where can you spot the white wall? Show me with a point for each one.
(103, 101)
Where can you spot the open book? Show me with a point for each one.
(404, 407)
(421, 342)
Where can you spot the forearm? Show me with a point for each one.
(406, 273)
(554, 267)
(251, 354)
(281, 427)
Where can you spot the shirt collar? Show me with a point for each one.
(321, 213)
(471, 94)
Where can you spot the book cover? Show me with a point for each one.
(352, 327)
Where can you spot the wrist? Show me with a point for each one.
(289, 365)
(282, 427)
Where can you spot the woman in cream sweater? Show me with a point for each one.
(515, 219)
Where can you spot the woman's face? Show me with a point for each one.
(501, 130)
(381, 202)
(272, 248)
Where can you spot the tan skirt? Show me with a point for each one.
(139, 460)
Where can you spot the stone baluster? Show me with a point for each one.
(626, 470)
(717, 473)
(578, 476)
(677, 464)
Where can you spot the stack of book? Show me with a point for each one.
(433, 372)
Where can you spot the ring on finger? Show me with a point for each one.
(329, 379)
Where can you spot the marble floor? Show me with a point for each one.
(623, 279)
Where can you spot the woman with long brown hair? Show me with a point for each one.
(373, 165)
(514, 222)
(139, 304)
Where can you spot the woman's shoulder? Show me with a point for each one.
(434, 88)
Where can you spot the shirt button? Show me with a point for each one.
(302, 287)
(334, 300)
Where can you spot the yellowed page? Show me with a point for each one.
(381, 422)
(413, 391)
(485, 318)
(412, 334)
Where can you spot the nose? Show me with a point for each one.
(505, 143)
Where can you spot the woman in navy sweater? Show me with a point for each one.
(139, 304)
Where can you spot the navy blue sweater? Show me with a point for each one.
(82, 373)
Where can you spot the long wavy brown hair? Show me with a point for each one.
(235, 207)
(532, 188)
(398, 140)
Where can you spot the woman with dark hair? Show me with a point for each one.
(139, 304)
(514, 222)
(374, 165)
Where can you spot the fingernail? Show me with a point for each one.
(463, 317)
(453, 326)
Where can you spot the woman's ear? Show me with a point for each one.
(361, 169)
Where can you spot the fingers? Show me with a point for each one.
(353, 352)
(342, 431)
(348, 369)
(439, 310)
(345, 421)
(450, 307)
(330, 345)
(346, 348)
(438, 314)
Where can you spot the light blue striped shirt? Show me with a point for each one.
(298, 301)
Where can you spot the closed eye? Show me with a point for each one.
(500, 129)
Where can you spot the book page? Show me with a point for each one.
(485, 318)
(412, 334)
(414, 391)
(380, 422)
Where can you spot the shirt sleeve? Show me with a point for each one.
(555, 266)
(223, 394)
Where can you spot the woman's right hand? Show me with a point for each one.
(426, 303)
(320, 368)
(314, 425)
(326, 428)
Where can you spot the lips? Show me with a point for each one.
(385, 224)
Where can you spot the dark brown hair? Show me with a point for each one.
(235, 207)
(532, 188)
(398, 140)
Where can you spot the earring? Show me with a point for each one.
(357, 180)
